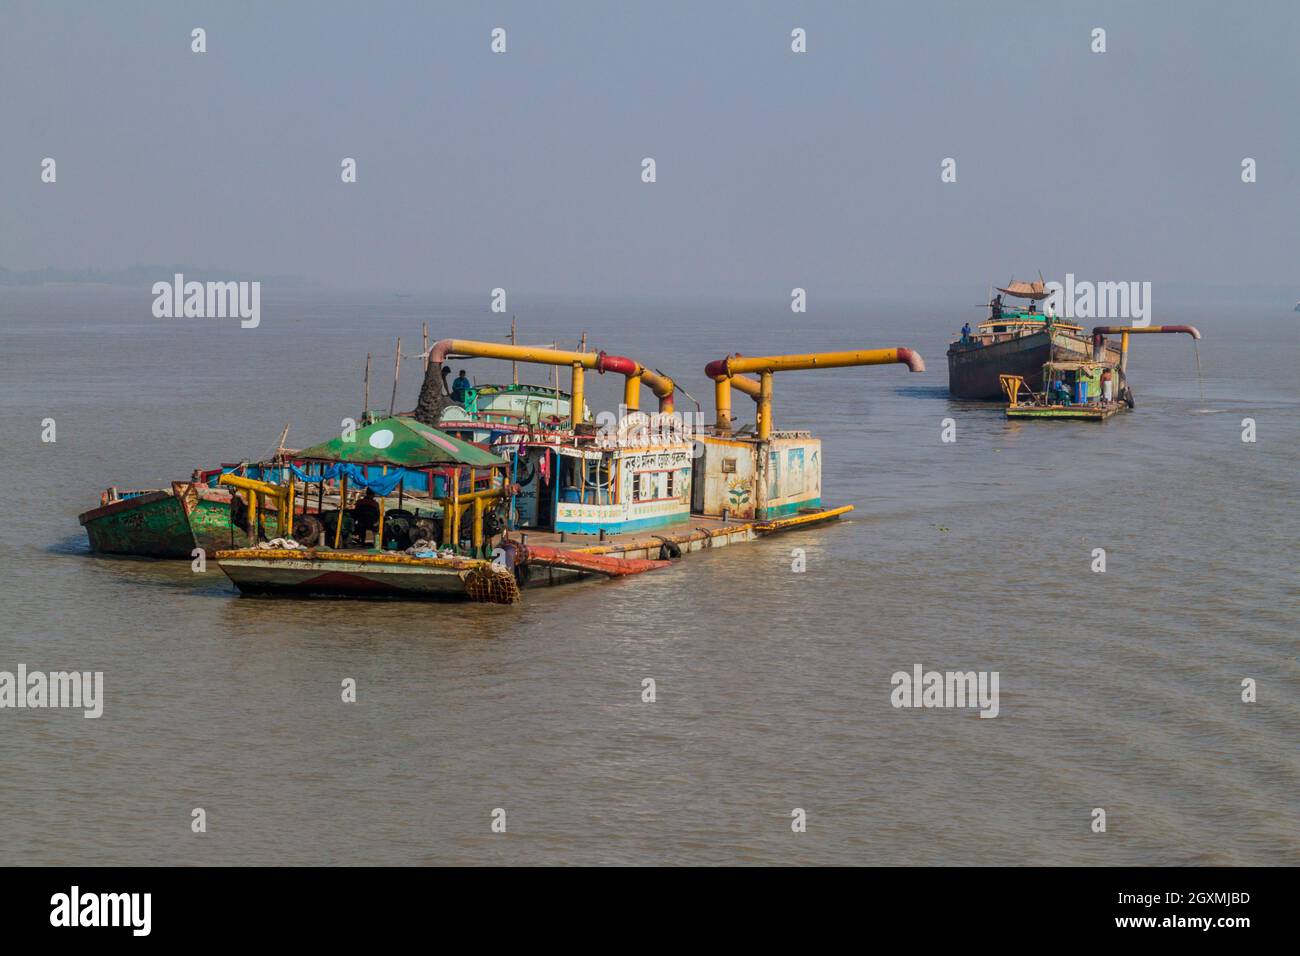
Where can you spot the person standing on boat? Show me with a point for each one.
(1107, 386)
(965, 333)
(461, 387)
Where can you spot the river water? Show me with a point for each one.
(1118, 690)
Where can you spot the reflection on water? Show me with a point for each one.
(1119, 690)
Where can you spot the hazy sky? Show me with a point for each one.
(523, 170)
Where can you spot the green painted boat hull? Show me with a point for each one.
(1078, 413)
(151, 525)
(154, 525)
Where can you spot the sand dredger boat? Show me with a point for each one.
(1092, 389)
(583, 501)
(1013, 340)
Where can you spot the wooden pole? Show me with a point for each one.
(397, 371)
(366, 405)
(279, 446)
(424, 345)
(514, 366)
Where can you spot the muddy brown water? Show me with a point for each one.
(1119, 690)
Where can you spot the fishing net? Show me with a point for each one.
(488, 584)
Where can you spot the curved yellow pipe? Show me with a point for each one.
(635, 373)
(282, 496)
(727, 373)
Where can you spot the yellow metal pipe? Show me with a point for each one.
(746, 385)
(288, 531)
(789, 363)
(454, 508)
(632, 392)
(252, 484)
(379, 532)
(765, 407)
(661, 385)
(576, 397)
(257, 490)
(486, 493)
(448, 521)
(252, 514)
(730, 369)
(513, 353)
(722, 402)
(476, 531)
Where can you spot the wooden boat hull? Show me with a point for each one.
(167, 524)
(307, 573)
(152, 525)
(1077, 413)
(319, 572)
(973, 369)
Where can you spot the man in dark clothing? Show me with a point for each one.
(365, 515)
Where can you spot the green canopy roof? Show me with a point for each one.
(403, 442)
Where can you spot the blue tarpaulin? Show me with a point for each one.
(356, 476)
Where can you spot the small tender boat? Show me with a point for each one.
(1092, 389)
(163, 523)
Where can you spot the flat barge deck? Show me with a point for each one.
(535, 559)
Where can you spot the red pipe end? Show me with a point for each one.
(914, 361)
(440, 350)
(716, 369)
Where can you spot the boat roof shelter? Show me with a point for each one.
(401, 442)
(1026, 290)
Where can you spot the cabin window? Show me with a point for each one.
(728, 466)
(653, 485)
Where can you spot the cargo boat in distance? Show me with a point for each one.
(1014, 340)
